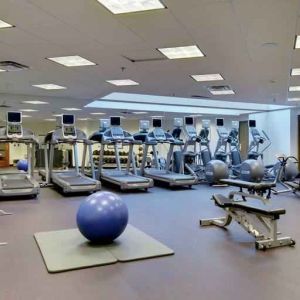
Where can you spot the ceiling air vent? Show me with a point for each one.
(12, 66)
(4, 105)
(126, 112)
(138, 60)
(200, 97)
(219, 88)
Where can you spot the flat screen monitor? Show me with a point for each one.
(252, 123)
(220, 122)
(189, 120)
(14, 117)
(68, 119)
(156, 122)
(115, 121)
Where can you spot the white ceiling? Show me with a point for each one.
(250, 42)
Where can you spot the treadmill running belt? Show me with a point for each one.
(13, 184)
(174, 176)
(76, 179)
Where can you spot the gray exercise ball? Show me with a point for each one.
(216, 170)
(252, 170)
(290, 170)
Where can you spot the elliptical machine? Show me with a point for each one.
(198, 160)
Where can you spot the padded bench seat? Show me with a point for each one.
(256, 186)
(225, 202)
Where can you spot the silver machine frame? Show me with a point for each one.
(261, 224)
(14, 132)
(69, 134)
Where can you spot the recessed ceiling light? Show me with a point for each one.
(139, 112)
(122, 82)
(127, 6)
(295, 72)
(1, 70)
(5, 25)
(181, 52)
(35, 102)
(98, 113)
(157, 116)
(207, 77)
(294, 88)
(72, 61)
(294, 99)
(297, 42)
(28, 110)
(26, 116)
(50, 120)
(71, 108)
(83, 119)
(225, 92)
(49, 86)
(57, 115)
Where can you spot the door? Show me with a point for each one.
(4, 155)
(244, 139)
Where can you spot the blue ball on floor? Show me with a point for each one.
(22, 165)
(102, 217)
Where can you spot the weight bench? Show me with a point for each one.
(258, 220)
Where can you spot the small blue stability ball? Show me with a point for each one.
(102, 217)
(22, 165)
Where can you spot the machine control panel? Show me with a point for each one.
(159, 134)
(68, 126)
(117, 133)
(14, 125)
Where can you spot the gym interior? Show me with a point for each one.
(149, 149)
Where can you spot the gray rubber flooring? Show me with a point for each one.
(209, 263)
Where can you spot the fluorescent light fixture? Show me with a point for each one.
(295, 72)
(28, 110)
(122, 82)
(98, 113)
(128, 6)
(297, 42)
(57, 115)
(83, 119)
(181, 52)
(207, 77)
(50, 120)
(295, 88)
(225, 92)
(1, 70)
(35, 102)
(72, 61)
(157, 116)
(294, 99)
(5, 25)
(71, 108)
(139, 112)
(49, 86)
(26, 116)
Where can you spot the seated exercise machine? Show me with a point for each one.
(151, 140)
(195, 157)
(259, 219)
(18, 183)
(69, 180)
(115, 136)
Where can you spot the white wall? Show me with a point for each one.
(277, 125)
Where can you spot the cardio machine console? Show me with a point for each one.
(14, 125)
(68, 126)
(117, 133)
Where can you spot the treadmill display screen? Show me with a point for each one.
(68, 119)
(189, 121)
(220, 122)
(115, 121)
(156, 122)
(252, 123)
(14, 117)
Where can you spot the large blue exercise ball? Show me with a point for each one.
(102, 217)
(22, 165)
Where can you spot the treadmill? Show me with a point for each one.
(115, 137)
(151, 140)
(15, 183)
(69, 180)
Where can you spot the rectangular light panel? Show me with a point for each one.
(295, 72)
(297, 42)
(181, 52)
(207, 77)
(128, 6)
(294, 88)
(294, 99)
(5, 25)
(71, 108)
(35, 102)
(72, 61)
(122, 82)
(28, 110)
(97, 113)
(49, 86)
